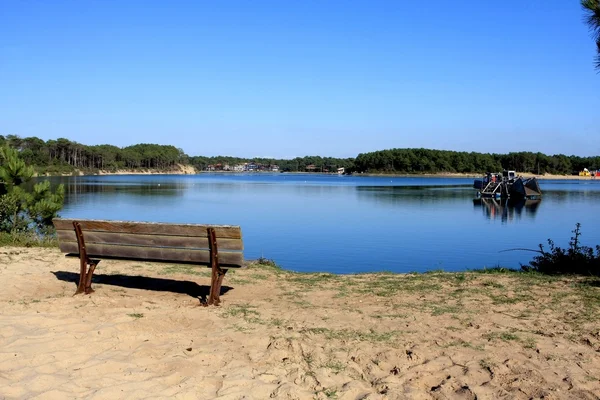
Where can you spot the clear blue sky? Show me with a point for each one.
(292, 78)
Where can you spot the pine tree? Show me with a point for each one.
(23, 210)
(592, 17)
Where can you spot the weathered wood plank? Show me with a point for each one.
(155, 253)
(132, 239)
(149, 228)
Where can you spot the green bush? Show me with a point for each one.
(25, 211)
(577, 259)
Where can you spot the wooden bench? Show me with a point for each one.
(216, 246)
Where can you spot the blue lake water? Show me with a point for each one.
(348, 224)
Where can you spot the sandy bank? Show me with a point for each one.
(179, 169)
(291, 336)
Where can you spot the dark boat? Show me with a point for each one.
(507, 185)
(524, 189)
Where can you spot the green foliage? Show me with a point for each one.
(424, 161)
(27, 239)
(25, 211)
(577, 259)
(592, 18)
(62, 156)
(298, 164)
(265, 262)
(8, 209)
(13, 170)
(43, 205)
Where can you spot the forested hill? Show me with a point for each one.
(62, 156)
(434, 161)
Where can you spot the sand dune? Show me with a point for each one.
(291, 336)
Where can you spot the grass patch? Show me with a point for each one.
(529, 343)
(504, 299)
(496, 270)
(245, 311)
(486, 364)
(239, 328)
(493, 284)
(387, 285)
(240, 281)
(265, 263)
(136, 315)
(27, 240)
(308, 359)
(335, 366)
(445, 309)
(311, 279)
(350, 334)
(463, 343)
(259, 277)
(588, 294)
(391, 316)
(459, 292)
(297, 298)
(27, 302)
(505, 336)
(329, 393)
(185, 270)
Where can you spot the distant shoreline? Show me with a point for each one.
(475, 176)
(190, 170)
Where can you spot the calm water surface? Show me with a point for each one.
(346, 224)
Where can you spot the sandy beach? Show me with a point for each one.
(179, 169)
(283, 335)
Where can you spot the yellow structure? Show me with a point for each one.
(585, 172)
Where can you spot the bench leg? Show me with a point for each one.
(217, 273)
(215, 287)
(88, 277)
(82, 276)
(85, 276)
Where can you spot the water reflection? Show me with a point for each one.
(404, 195)
(77, 187)
(507, 210)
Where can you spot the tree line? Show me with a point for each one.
(436, 161)
(298, 164)
(65, 156)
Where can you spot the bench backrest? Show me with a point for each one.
(186, 243)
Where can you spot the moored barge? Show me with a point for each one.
(507, 185)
